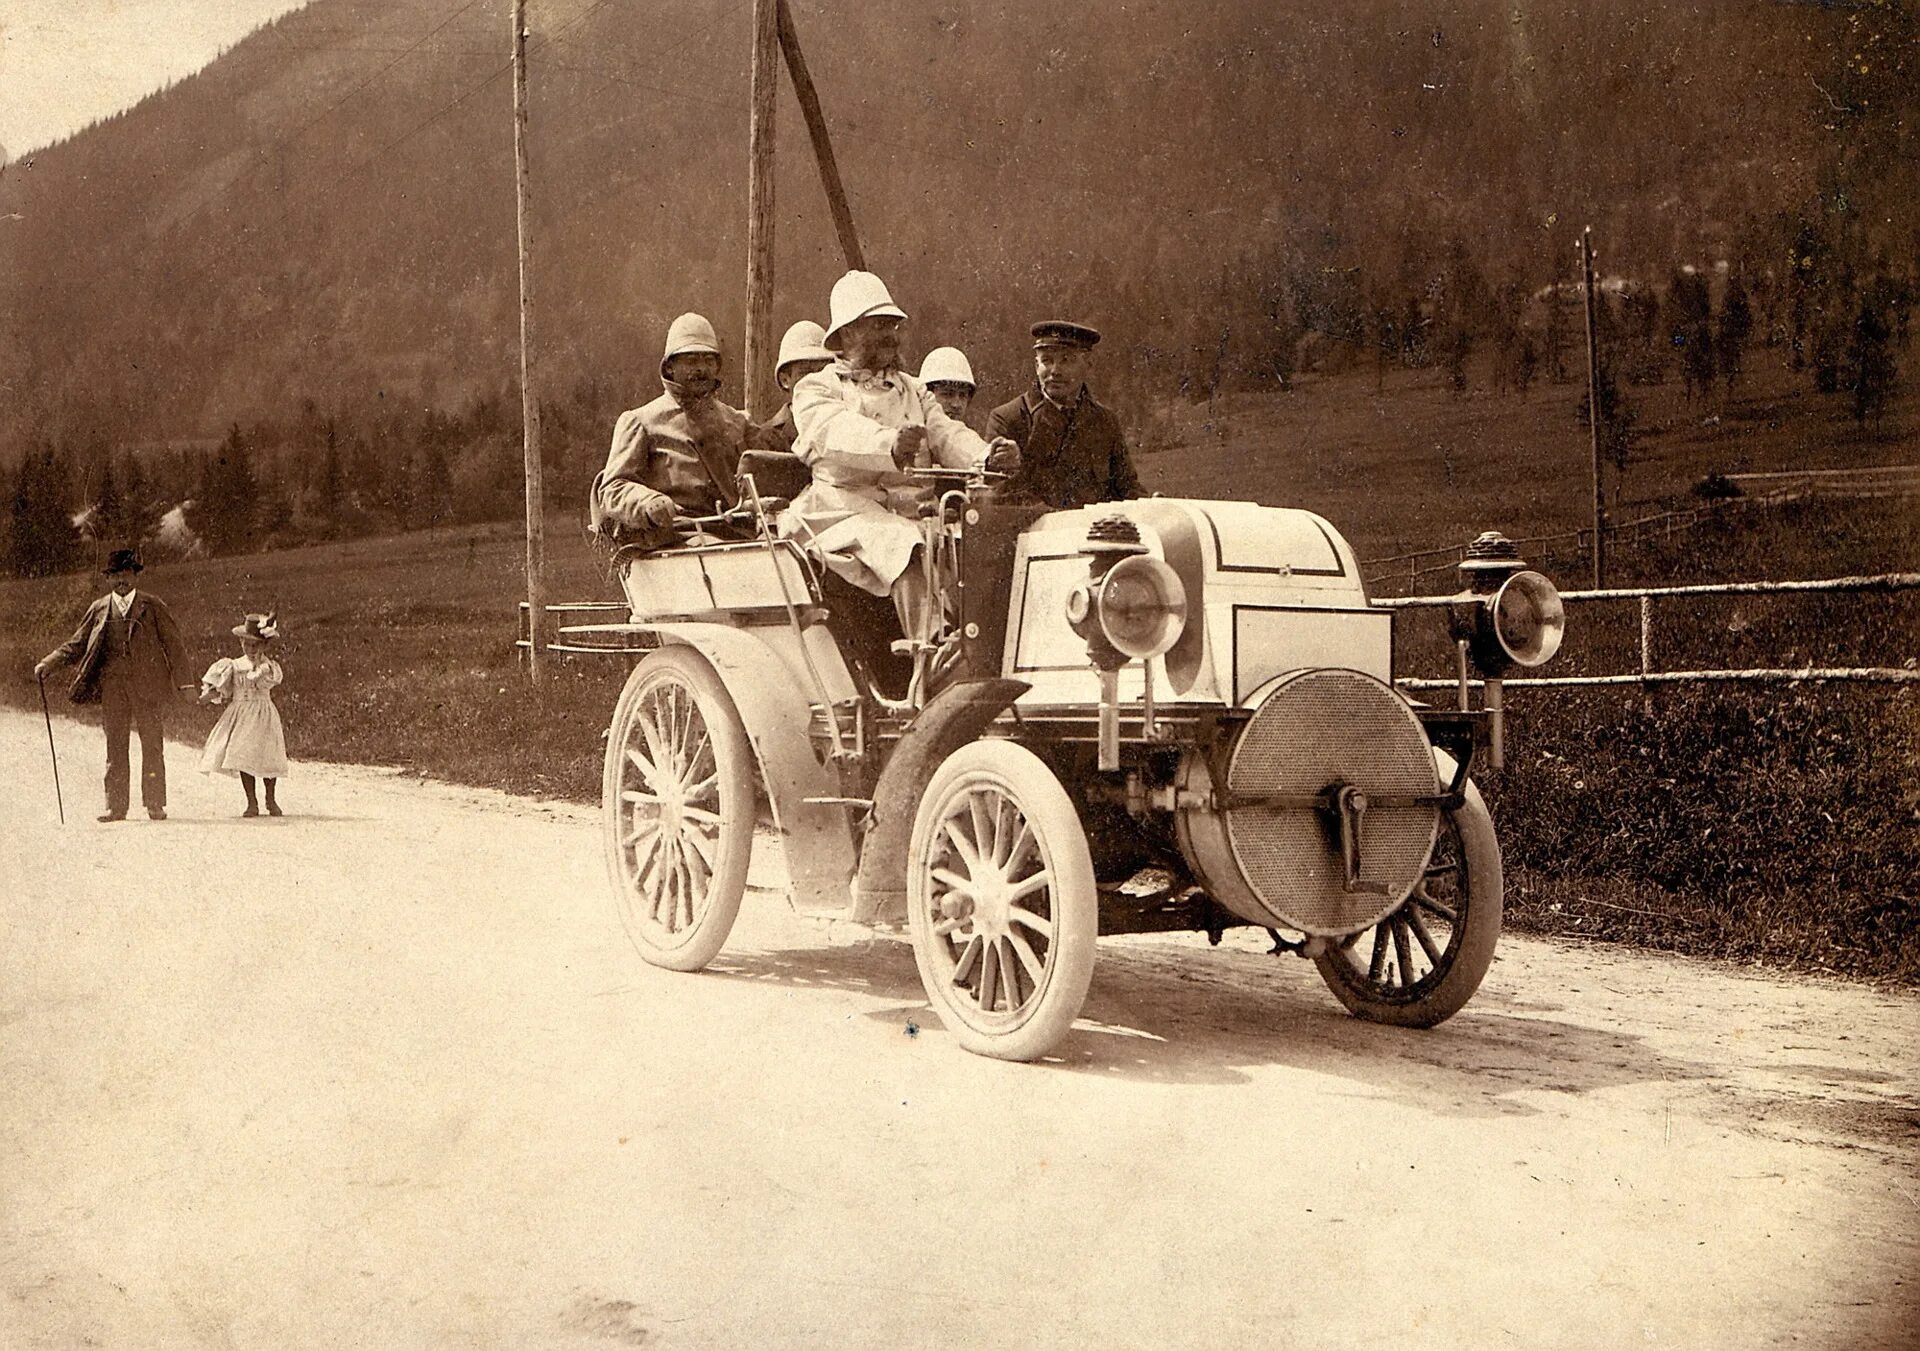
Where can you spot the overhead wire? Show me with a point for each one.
(246, 238)
(944, 144)
(375, 77)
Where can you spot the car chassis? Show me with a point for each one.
(1151, 715)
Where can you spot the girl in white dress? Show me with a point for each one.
(248, 739)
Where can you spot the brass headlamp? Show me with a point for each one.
(1505, 616)
(1132, 606)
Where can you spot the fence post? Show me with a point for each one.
(1646, 654)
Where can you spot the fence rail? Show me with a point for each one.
(1408, 569)
(1647, 677)
(1758, 490)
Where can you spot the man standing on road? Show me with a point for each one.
(674, 457)
(863, 424)
(129, 651)
(1072, 449)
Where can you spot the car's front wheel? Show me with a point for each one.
(1001, 901)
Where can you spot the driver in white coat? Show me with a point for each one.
(862, 422)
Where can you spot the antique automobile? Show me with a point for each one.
(1148, 715)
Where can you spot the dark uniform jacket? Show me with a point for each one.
(144, 649)
(778, 432)
(1067, 458)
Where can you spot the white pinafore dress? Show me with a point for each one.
(248, 739)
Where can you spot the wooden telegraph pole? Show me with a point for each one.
(1593, 413)
(809, 100)
(765, 84)
(529, 396)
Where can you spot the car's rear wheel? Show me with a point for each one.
(677, 802)
(1001, 901)
(1420, 965)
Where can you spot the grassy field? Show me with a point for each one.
(1777, 824)
(1413, 466)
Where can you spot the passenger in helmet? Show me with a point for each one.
(948, 376)
(1074, 452)
(802, 352)
(677, 456)
(862, 421)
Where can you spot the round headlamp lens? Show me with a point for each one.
(1143, 607)
(1529, 618)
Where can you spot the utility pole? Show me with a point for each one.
(809, 100)
(765, 84)
(1593, 413)
(529, 396)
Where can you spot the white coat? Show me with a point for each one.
(859, 513)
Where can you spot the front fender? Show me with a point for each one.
(814, 836)
(954, 717)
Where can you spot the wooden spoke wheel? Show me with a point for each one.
(1418, 966)
(677, 805)
(1001, 901)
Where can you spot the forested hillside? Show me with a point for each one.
(311, 244)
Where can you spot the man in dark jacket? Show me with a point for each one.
(1072, 450)
(130, 653)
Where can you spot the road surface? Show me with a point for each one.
(385, 1073)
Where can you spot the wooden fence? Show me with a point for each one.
(1758, 490)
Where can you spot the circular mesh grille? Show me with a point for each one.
(1321, 729)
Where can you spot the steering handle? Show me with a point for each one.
(938, 473)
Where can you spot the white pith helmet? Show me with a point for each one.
(855, 296)
(805, 341)
(947, 366)
(689, 333)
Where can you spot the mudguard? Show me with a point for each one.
(815, 837)
(954, 717)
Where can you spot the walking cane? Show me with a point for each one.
(45, 713)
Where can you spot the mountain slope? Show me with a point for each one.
(327, 211)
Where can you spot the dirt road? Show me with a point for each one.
(385, 1073)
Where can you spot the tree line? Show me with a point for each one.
(322, 473)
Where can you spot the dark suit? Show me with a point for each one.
(1068, 458)
(128, 666)
(778, 432)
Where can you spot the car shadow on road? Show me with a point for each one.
(1180, 1015)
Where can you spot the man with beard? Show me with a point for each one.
(863, 421)
(677, 456)
(1072, 446)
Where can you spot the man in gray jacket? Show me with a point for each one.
(677, 456)
(130, 655)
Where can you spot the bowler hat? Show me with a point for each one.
(122, 560)
(260, 627)
(1064, 333)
